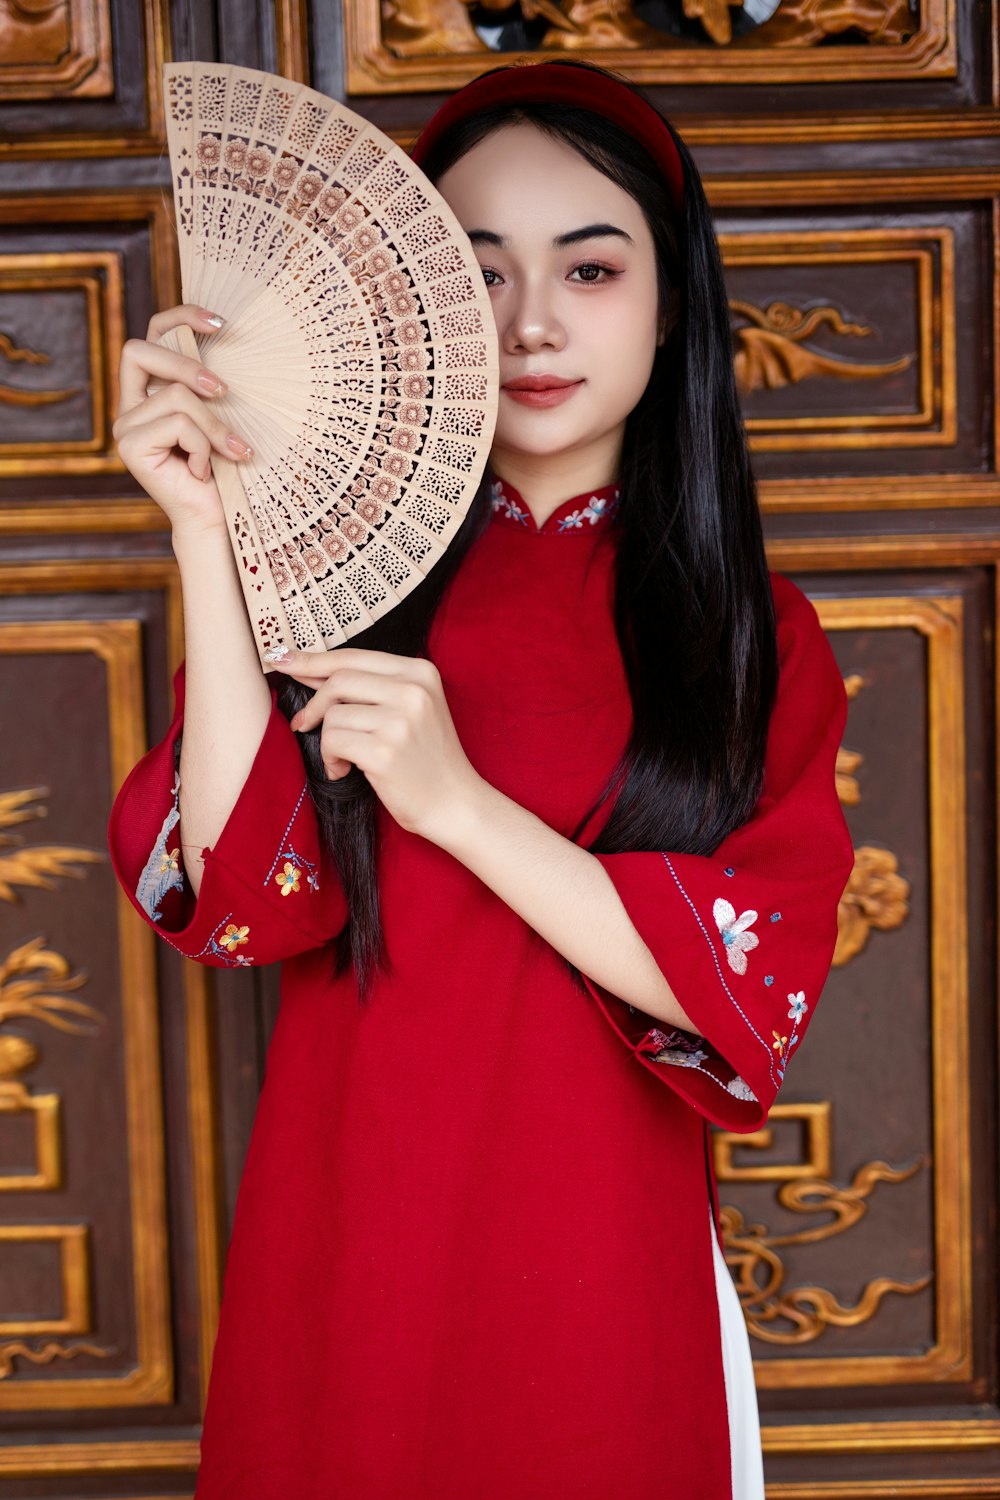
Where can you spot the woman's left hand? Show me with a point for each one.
(388, 716)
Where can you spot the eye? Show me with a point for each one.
(590, 272)
(487, 273)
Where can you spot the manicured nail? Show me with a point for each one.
(277, 653)
(239, 447)
(214, 319)
(210, 382)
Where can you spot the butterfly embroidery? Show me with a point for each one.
(738, 941)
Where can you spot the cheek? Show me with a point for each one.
(626, 339)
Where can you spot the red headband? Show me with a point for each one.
(558, 83)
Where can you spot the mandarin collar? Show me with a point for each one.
(580, 516)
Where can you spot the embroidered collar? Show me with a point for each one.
(579, 515)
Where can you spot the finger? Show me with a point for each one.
(372, 688)
(178, 398)
(153, 441)
(140, 360)
(365, 717)
(352, 746)
(320, 664)
(201, 319)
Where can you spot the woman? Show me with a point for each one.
(553, 868)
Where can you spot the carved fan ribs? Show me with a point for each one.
(359, 349)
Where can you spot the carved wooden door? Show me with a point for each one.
(851, 154)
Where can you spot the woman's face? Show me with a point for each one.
(571, 268)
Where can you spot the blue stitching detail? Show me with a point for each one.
(284, 836)
(722, 978)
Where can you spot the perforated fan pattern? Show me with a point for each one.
(359, 348)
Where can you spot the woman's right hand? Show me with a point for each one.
(166, 439)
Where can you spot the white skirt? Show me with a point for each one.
(741, 1393)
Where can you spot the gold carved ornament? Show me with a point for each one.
(428, 28)
(799, 1315)
(37, 984)
(11, 395)
(35, 864)
(771, 348)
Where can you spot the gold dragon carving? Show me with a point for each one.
(36, 984)
(777, 1314)
(771, 347)
(428, 28)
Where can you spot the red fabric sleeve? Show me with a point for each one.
(268, 890)
(745, 936)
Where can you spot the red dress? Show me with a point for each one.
(471, 1257)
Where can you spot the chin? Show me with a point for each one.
(544, 440)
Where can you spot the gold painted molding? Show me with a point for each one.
(830, 554)
(74, 1273)
(126, 575)
(887, 1489)
(98, 275)
(81, 516)
(148, 140)
(864, 492)
(118, 644)
(907, 1436)
(90, 206)
(34, 1460)
(816, 129)
(926, 250)
(44, 1109)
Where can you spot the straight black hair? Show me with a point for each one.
(693, 607)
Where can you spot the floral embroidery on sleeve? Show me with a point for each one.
(679, 1049)
(162, 871)
(735, 935)
(226, 940)
(234, 937)
(289, 877)
(783, 1044)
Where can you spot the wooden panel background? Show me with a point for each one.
(854, 167)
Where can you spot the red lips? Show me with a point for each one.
(541, 391)
(538, 383)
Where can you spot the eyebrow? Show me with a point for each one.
(588, 232)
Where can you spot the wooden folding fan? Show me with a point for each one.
(359, 348)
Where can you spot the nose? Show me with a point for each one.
(532, 322)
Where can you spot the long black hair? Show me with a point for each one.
(693, 608)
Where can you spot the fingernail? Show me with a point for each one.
(277, 653)
(210, 382)
(239, 447)
(214, 319)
